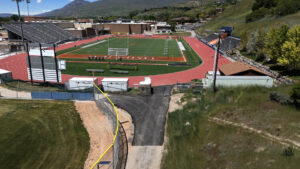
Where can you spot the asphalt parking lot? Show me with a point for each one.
(148, 114)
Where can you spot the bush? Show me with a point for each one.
(256, 15)
(288, 152)
(280, 98)
(295, 94)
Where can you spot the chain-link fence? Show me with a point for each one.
(120, 148)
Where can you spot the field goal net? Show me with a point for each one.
(118, 51)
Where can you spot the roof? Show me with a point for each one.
(211, 37)
(230, 43)
(226, 28)
(115, 80)
(2, 71)
(41, 32)
(238, 67)
(83, 79)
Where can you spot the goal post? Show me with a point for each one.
(118, 51)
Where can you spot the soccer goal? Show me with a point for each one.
(118, 51)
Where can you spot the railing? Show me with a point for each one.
(119, 145)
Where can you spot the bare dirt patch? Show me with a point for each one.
(100, 131)
(175, 102)
(7, 93)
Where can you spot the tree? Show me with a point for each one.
(251, 43)
(295, 94)
(291, 50)
(274, 41)
(14, 18)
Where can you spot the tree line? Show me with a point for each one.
(262, 8)
(279, 45)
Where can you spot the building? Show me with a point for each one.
(115, 84)
(126, 28)
(78, 83)
(229, 42)
(33, 18)
(238, 74)
(82, 32)
(161, 27)
(240, 69)
(38, 33)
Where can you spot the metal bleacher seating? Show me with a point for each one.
(41, 32)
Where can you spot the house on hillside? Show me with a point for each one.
(238, 74)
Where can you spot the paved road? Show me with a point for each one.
(148, 115)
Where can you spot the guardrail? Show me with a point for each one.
(119, 145)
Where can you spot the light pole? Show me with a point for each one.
(20, 22)
(28, 1)
(216, 61)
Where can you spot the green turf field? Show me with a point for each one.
(142, 70)
(41, 134)
(137, 47)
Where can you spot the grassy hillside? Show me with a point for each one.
(41, 134)
(235, 16)
(196, 141)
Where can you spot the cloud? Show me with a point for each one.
(38, 1)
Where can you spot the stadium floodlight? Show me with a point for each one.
(216, 60)
(28, 1)
(20, 21)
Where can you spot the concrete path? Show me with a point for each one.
(144, 157)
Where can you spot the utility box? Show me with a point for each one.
(145, 86)
(115, 84)
(5, 75)
(78, 83)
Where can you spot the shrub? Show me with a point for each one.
(280, 98)
(256, 15)
(288, 152)
(295, 94)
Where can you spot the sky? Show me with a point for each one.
(35, 7)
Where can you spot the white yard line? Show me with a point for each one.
(181, 49)
(93, 44)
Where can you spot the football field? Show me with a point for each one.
(135, 46)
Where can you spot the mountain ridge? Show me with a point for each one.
(82, 8)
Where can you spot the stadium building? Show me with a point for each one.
(39, 33)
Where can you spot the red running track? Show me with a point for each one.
(17, 65)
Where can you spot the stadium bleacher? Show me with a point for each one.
(41, 32)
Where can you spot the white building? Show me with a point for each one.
(161, 27)
(115, 84)
(78, 83)
(238, 74)
(5, 75)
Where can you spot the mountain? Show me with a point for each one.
(5, 14)
(69, 10)
(82, 8)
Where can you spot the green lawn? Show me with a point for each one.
(41, 134)
(80, 69)
(137, 47)
(195, 142)
(143, 70)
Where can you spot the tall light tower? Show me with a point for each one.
(28, 1)
(217, 51)
(20, 21)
